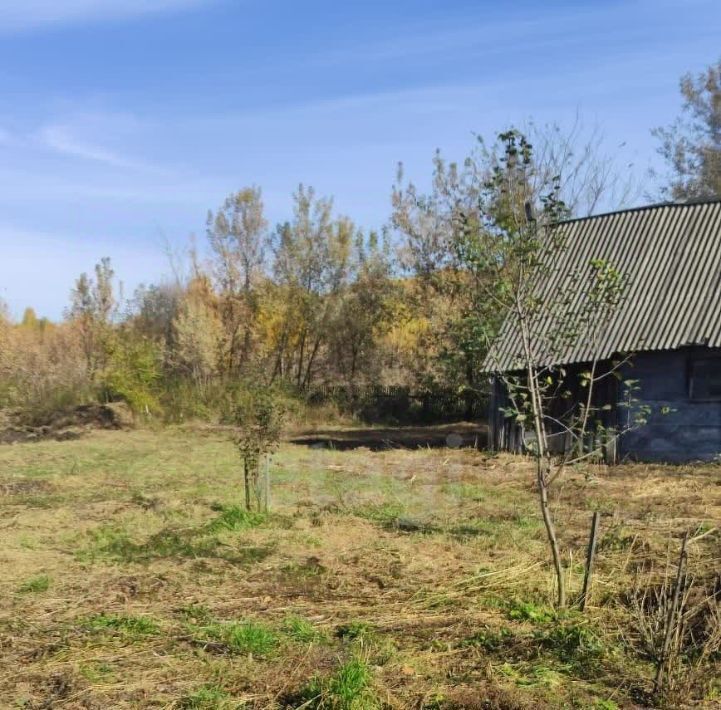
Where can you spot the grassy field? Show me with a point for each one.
(131, 577)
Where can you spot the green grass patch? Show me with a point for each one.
(243, 638)
(302, 630)
(489, 640)
(108, 542)
(209, 697)
(134, 626)
(349, 688)
(518, 610)
(35, 585)
(236, 518)
(354, 630)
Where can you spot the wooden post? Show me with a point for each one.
(590, 556)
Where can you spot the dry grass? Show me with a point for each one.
(130, 579)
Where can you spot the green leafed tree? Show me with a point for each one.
(547, 311)
(434, 226)
(691, 146)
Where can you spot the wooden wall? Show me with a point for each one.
(692, 431)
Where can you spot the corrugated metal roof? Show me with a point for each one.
(670, 256)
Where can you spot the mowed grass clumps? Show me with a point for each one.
(395, 579)
(34, 585)
(350, 687)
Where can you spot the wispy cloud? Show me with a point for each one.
(28, 14)
(61, 139)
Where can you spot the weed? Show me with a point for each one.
(616, 539)
(244, 638)
(464, 491)
(302, 571)
(529, 611)
(572, 643)
(40, 583)
(236, 518)
(302, 630)
(381, 513)
(146, 503)
(349, 688)
(196, 614)
(354, 630)
(133, 626)
(532, 676)
(209, 697)
(110, 542)
(97, 672)
(490, 641)
(475, 528)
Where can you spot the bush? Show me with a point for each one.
(258, 418)
(133, 374)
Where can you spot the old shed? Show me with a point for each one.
(670, 319)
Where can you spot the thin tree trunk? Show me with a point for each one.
(301, 357)
(590, 555)
(542, 463)
(246, 473)
(311, 360)
(551, 533)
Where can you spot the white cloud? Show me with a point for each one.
(26, 14)
(61, 139)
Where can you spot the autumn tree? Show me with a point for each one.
(153, 310)
(691, 146)
(197, 335)
(311, 262)
(365, 308)
(237, 235)
(93, 307)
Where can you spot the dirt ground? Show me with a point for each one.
(395, 578)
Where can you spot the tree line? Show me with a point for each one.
(318, 301)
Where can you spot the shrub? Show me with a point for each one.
(133, 373)
(258, 419)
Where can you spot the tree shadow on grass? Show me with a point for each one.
(461, 435)
(188, 543)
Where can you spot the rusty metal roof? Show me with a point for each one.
(670, 255)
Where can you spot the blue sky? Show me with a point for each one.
(123, 121)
